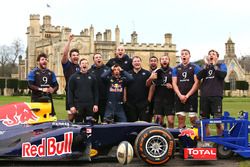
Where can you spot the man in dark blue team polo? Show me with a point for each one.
(42, 82)
(122, 59)
(212, 85)
(186, 84)
(98, 68)
(137, 93)
(83, 93)
(70, 66)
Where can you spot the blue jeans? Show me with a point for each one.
(114, 112)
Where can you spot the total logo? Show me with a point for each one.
(49, 147)
(200, 153)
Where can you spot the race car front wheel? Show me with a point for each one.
(155, 145)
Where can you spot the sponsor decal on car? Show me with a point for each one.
(17, 113)
(49, 147)
(200, 154)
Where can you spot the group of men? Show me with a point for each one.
(122, 90)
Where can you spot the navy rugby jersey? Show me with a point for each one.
(69, 68)
(212, 79)
(42, 78)
(185, 77)
(164, 76)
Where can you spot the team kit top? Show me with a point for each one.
(185, 77)
(137, 90)
(42, 78)
(82, 89)
(162, 93)
(69, 68)
(212, 77)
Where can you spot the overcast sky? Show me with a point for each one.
(198, 25)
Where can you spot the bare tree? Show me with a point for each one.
(5, 53)
(18, 49)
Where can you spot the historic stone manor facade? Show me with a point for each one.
(51, 39)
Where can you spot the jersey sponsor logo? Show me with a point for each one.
(210, 74)
(184, 79)
(15, 114)
(200, 153)
(49, 147)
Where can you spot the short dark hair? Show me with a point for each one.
(82, 59)
(73, 50)
(136, 57)
(185, 50)
(153, 57)
(41, 55)
(97, 53)
(212, 50)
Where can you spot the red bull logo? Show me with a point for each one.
(192, 133)
(49, 147)
(16, 113)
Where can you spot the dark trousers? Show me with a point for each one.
(114, 112)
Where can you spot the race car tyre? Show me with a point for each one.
(155, 145)
(223, 152)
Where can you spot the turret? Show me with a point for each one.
(168, 39)
(134, 38)
(117, 36)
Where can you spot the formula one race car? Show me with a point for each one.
(29, 132)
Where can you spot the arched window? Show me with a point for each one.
(232, 80)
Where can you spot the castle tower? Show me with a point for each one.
(117, 36)
(134, 38)
(99, 36)
(46, 22)
(33, 35)
(230, 51)
(168, 39)
(92, 42)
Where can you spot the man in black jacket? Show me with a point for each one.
(121, 59)
(98, 68)
(83, 93)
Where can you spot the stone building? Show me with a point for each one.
(235, 70)
(51, 39)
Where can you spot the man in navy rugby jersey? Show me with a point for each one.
(98, 68)
(163, 94)
(70, 66)
(42, 81)
(212, 84)
(185, 84)
(137, 93)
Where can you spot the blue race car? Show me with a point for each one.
(29, 132)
